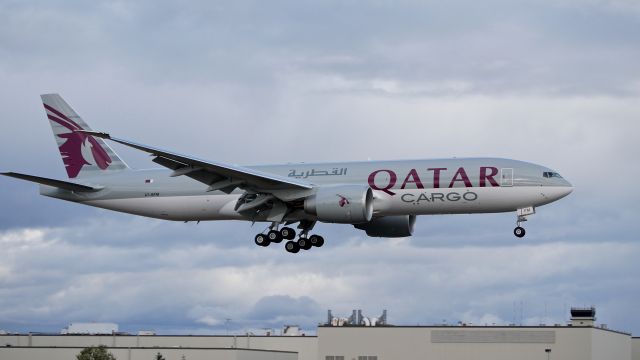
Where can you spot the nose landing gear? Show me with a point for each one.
(522, 217)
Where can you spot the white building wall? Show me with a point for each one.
(491, 343)
(607, 345)
(388, 343)
(635, 348)
(406, 343)
(306, 346)
(572, 343)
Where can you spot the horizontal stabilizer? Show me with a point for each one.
(52, 182)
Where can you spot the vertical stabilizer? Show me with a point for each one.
(83, 155)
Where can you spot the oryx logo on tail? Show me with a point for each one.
(83, 155)
(78, 149)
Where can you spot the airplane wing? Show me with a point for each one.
(66, 185)
(217, 175)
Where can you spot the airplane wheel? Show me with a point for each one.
(292, 247)
(304, 243)
(519, 231)
(316, 240)
(274, 236)
(288, 233)
(262, 240)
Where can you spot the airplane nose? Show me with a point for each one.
(568, 185)
(557, 192)
(566, 189)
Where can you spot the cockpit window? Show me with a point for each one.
(551, 174)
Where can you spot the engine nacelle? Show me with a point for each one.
(389, 226)
(345, 204)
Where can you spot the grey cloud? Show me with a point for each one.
(529, 47)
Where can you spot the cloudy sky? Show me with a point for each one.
(252, 82)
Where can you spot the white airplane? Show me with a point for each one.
(382, 198)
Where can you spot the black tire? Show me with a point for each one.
(274, 236)
(304, 243)
(292, 247)
(316, 240)
(519, 231)
(262, 240)
(288, 233)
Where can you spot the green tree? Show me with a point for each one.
(95, 353)
(159, 356)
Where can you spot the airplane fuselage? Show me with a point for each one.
(408, 187)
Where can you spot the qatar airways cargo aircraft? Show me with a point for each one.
(382, 198)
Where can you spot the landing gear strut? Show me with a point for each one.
(522, 217)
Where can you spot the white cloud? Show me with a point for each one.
(209, 321)
(22, 237)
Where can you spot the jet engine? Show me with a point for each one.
(389, 226)
(345, 204)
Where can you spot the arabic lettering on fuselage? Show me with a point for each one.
(317, 172)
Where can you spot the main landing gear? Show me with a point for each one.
(304, 242)
(522, 217)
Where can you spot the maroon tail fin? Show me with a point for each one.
(82, 154)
